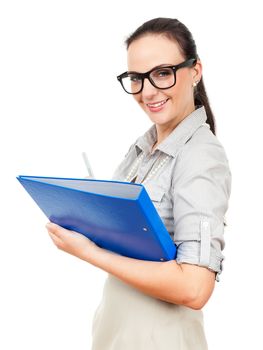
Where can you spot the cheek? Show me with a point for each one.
(173, 94)
(181, 91)
(185, 83)
(137, 98)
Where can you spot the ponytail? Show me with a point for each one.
(200, 98)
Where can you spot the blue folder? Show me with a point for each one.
(118, 216)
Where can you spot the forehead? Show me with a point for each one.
(152, 50)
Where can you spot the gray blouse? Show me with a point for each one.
(188, 180)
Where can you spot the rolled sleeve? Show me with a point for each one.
(201, 190)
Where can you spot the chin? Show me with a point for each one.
(160, 119)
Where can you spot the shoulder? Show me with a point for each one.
(202, 145)
(201, 155)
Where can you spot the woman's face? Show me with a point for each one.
(168, 107)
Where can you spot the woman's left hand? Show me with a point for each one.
(71, 242)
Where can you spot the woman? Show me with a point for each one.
(157, 305)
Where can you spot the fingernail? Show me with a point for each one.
(48, 225)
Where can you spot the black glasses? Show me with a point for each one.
(162, 77)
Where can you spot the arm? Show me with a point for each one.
(183, 284)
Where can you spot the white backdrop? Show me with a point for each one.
(58, 97)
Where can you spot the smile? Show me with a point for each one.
(157, 104)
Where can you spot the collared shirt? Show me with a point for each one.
(188, 180)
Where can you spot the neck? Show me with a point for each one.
(164, 130)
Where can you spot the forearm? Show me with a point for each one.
(167, 281)
(184, 284)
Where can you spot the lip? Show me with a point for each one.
(156, 106)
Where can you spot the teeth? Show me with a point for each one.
(155, 105)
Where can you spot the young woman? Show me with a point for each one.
(157, 305)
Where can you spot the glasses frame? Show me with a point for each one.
(188, 63)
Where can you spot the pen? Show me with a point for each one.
(87, 163)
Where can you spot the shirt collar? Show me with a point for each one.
(179, 136)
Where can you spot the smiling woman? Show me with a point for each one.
(183, 166)
(166, 106)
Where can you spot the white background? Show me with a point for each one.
(58, 97)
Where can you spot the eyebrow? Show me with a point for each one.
(156, 67)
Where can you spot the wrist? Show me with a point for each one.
(92, 253)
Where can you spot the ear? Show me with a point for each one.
(197, 72)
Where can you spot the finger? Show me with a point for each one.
(57, 241)
(57, 230)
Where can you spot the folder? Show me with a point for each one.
(117, 216)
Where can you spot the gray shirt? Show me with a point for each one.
(188, 179)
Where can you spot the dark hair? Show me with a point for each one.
(175, 30)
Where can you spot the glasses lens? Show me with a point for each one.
(163, 77)
(132, 83)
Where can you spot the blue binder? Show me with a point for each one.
(118, 216)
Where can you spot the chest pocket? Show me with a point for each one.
(156, 193)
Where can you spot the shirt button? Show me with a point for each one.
(205, 224)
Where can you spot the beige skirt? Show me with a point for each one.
(127, 319)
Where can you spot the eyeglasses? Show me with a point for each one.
(162, 77)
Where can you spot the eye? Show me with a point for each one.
(134, 78)
(162, 73)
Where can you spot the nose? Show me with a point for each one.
(148, 90)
